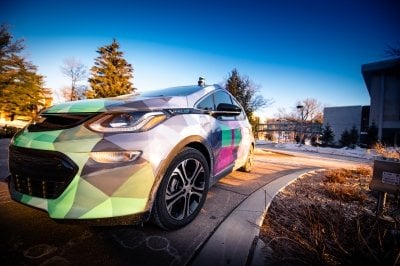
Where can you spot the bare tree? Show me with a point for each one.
(306, 110)
(311, 110)
(393, 51)
(78, 93)
(284, 114)
(76, 71)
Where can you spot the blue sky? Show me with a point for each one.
(292, 49)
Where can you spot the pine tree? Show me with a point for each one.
(353, 136)
(111, 73)
(327, 135)
(345, 139)
(243, 90)
(21, 88)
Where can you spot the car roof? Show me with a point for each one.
(172, 91)
(174, 97)
(182, 95)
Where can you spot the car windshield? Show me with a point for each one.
(175, 91)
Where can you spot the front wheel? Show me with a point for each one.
(182, 191)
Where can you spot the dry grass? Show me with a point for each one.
(324, 219)
(345, 185)
(384, 151)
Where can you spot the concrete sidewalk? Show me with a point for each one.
(235, 242)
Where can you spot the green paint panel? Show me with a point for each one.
(138, 185)
(26, 198)
(238, 136)
(37, 140)
(94, 105)
(39, 203)
(226, 136)
(87, 197)
(79, 158)
(78, 133)
(77, 139)
(114, 207)
(83, 146)
(58, 208)
(44, 137)
(104, 209)
(126, 206)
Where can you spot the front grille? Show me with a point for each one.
(40, 173)
(46, 122)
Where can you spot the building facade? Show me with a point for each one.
(382, 80)
(343, 118)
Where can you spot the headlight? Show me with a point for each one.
(127, 122)
(114, 156)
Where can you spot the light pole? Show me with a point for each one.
(301, 108)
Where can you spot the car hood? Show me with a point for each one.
(121, 103)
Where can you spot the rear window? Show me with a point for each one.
(174, 91)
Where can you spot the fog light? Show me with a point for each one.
(114, 156)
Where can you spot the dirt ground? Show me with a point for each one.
(325, 220)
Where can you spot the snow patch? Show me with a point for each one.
(357, 152)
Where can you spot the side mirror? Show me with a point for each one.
(226, 109)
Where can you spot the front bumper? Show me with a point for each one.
(73, 186)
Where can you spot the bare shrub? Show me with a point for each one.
(305, 225)
(344, 193)
(337, 175)
(384, 151)
(346, 185)
(363, 171)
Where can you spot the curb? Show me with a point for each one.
(235, 242)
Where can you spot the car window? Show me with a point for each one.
(222, 97)
(242, 115)
(207, 103)
(211, 102)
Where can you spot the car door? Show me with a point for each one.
(229, 135)
(226, 132)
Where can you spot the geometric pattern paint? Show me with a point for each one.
(101, 190)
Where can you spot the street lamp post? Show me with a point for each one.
(301, 108)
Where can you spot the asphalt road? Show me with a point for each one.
(29, 237)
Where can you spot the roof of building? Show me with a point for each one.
(368, 70)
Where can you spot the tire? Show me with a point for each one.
(182, 191)
(249, 161)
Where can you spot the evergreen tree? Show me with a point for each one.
(21, 88)
(353, 136)
(327, 135)
(242, 89)
(111, 73)
(345, 139)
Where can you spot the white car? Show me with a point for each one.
(151, 155)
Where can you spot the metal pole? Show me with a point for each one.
(301, 107)
(380, 207)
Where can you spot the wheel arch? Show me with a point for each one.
(195, 142)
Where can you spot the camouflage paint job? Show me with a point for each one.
(101, 190)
